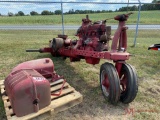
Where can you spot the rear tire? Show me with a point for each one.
(109, 82)
(128, 83)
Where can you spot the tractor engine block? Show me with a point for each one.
(95, 35)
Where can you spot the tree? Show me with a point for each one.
(155, 1)
(133, 8)
(46, 12)
(33, 13)
(58, 12)
(20, 13)
(10, 14)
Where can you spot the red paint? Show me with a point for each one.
(60, 91)
(118, 66)
(154, 47)
(93, 42)
(28, 83)
(23, 91)
(44, 66)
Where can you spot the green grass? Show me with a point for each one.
(147, 17)
(85, 78)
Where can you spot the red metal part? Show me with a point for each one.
(60, 91)
(46, 49)
(44, 66)
(105, 83)
(93, 54)
(154, 47)
(28, 91)
(122, 76)
(56, 77)
(27, 88)
(123, 81)
(93, 42)
(118, 66)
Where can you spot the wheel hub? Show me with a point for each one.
(123, 83)
(105, 83)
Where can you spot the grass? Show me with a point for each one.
(147, 17)
(85, 78)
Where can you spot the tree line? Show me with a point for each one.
(144, 7)
(58, 12)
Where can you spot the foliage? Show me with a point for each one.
(144, 7)
(20, 13)
(33, 13)
(58, 12)
(132, 8)
(150, 7)
(46, 12)
(10, 14)
(72, 11)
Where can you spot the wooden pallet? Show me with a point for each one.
(68, 98)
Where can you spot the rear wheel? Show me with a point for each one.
(128, 83)
(109, 82)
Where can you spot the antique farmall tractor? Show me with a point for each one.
(118, 81)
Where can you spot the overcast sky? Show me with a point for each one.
(6, 7)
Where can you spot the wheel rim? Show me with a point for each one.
(105, 83)
(123, 83)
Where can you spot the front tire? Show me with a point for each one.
(109, 82)
(128, 83)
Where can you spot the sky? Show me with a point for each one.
(6, 7)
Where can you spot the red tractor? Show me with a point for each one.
(118, 81)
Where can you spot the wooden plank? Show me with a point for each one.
(8, 117)
(4, 97)
(66, 102)
(8, 111)
(2, 91)
(57, 87)
(56, 82)
(64, 91)
(1, 82)
(33, 115)
(6, 104)
(2, 86)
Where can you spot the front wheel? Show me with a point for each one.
(109, 82)
(128, 83)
